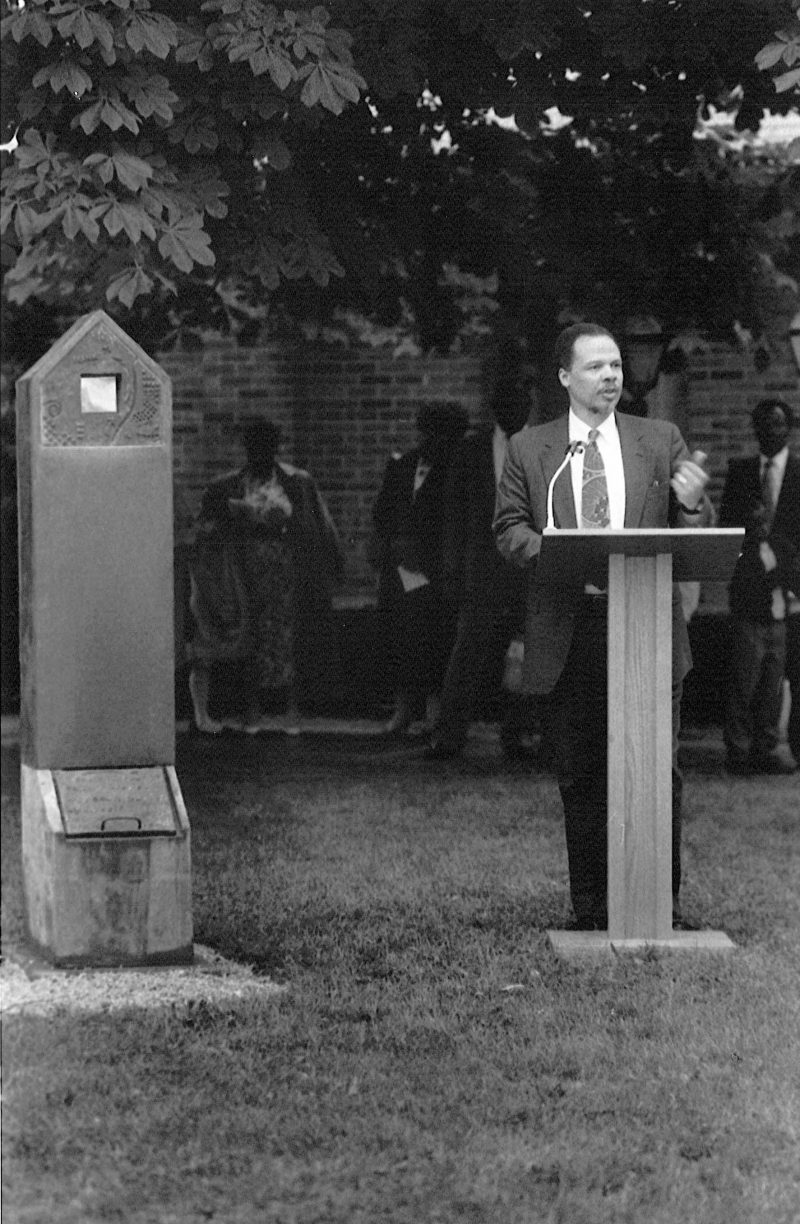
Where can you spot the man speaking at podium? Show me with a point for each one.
(593, 468)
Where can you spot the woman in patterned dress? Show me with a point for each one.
(261, 573)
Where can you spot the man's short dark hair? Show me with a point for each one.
(565, 342)
(765, 406)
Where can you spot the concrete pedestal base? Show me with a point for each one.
(106, 866)
(570, 945)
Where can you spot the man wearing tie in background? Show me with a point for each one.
(625, 471)
(762, 494)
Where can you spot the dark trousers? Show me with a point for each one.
(421, 638)
(475, 672)
(755, 688)
(793, 676)
(580, 713)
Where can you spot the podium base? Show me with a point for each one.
(570, 945)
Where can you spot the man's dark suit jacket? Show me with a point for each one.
(473, 567)
(397, 514)
(751, 586)
(651, 450)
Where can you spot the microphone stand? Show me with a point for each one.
(574, 448)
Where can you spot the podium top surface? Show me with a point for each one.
(699, 554)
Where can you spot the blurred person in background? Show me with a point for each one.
(490, 592)
(262, 567)
(762, 494)
(418, 620)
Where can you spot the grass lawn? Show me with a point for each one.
(429, 1060)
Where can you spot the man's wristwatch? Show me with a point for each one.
(696, 510)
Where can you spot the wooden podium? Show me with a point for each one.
(642, 565)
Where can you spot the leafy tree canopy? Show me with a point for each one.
(185, 165)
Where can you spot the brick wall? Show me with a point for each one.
(343, 412)
(723, 389)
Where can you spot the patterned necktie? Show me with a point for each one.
(768, 490)
(594, 494)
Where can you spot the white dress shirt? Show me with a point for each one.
(608, 444)
(778, 469)
(422, 469)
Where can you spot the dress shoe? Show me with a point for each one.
(771, 764)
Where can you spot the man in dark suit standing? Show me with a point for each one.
(419, 622)
(762, 494)
(626, 472)
(489, 591)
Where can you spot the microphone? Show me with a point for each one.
(574, 448)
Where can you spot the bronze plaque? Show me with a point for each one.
(115, 802)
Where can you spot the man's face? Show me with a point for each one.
(436, 444)
(260, 457)
(772, 430)
(594, 378)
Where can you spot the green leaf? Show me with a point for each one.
(64, 74)
(280, 68)
(30, 22)
(113, 219)
(77, 25)
(25, 222)
(90, 118)
(243, 49)
(194, 47)
(151, 95)
(186, 243)
(787, 80)
(103, 32)
(133, 172)
(6, 214)
(312, 90)
(78, 218)
(154, 32)
(32, 149)
(128, 216)
(115, 115)
(128, 285)
(259, 61)
(207, 190)
(772, 54)
(325, 89)
(103, 164)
